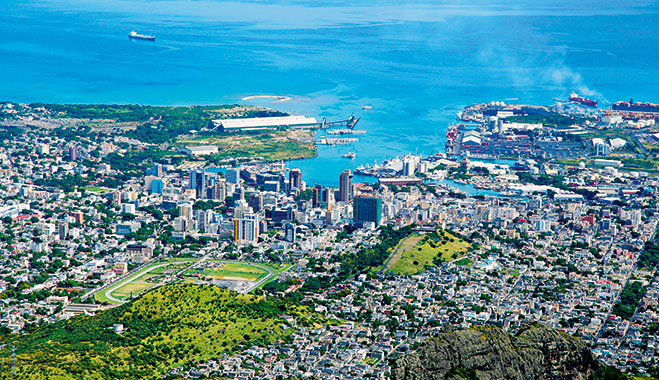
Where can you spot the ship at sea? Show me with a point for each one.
(635, 107)
(574, 97)
(136, 36)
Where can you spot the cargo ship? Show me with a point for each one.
(144, 37)
(635, 107)
(574, 97)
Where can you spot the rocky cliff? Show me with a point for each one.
(489, 353)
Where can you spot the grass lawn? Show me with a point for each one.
(273, 145)
(133, 287)
(229, 271)
(416, 253)
(137, 282)
(96, 189)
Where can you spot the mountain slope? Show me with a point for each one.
(168, 327)
(486, 353)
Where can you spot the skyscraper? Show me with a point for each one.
(367, 209)
(345, 186)
(246, 228)
(198, 182)
(233, 175)
(294, 179)
(158, 170)
(73, 153)
(63, 230)
(156, 186)
(317, 195)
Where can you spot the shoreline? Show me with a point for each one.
(278, 98)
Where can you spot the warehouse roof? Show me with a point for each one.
(264, 122)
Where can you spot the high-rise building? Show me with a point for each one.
(198, 182)
(317, 196)
(327, 198)
(43, 148)
(73, 153)
(233, 175)
(294, 180)
(63, 230)
(366, 209)
(116, 198)
(158, 170)
(409, 167)
(157, 186)
(345, 186)
(289, 233)
(220, 191)
(246, 228)
(185, 210)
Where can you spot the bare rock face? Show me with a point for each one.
(489, 353)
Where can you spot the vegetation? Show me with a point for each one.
(272, 145)
(375, 256)
(230, 271)
(156, 124)
(649, 257)
(630, 299)
(172, 326)
(419, 252)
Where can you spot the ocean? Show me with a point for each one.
(416, 63)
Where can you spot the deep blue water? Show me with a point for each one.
(417, 63)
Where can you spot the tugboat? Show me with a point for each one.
(144, 37)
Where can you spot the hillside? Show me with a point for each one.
(416, 253)
(168, 327)
(489, 353)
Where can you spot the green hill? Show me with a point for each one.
(168, 327)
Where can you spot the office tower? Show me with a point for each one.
(158, 170)
(317, 196)
(289, 233)
(367, 210)
(233, 175)
(156, 186)
(345, 186)
(198, 182)
(220, 191)
(294, 180)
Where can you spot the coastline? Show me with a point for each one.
(278, 98)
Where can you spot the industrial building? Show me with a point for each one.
(199, 150)
(263, 123)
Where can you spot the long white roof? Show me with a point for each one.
(263, 122)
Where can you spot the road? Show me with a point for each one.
(263, 280)
(123, 281)
(393, 254)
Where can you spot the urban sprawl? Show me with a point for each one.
(532, 215)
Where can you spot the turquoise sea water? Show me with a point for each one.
(417, 63)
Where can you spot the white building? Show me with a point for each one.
(246, 228)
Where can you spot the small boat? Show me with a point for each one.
(367, 107)
(349, 155)
(136, 36)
